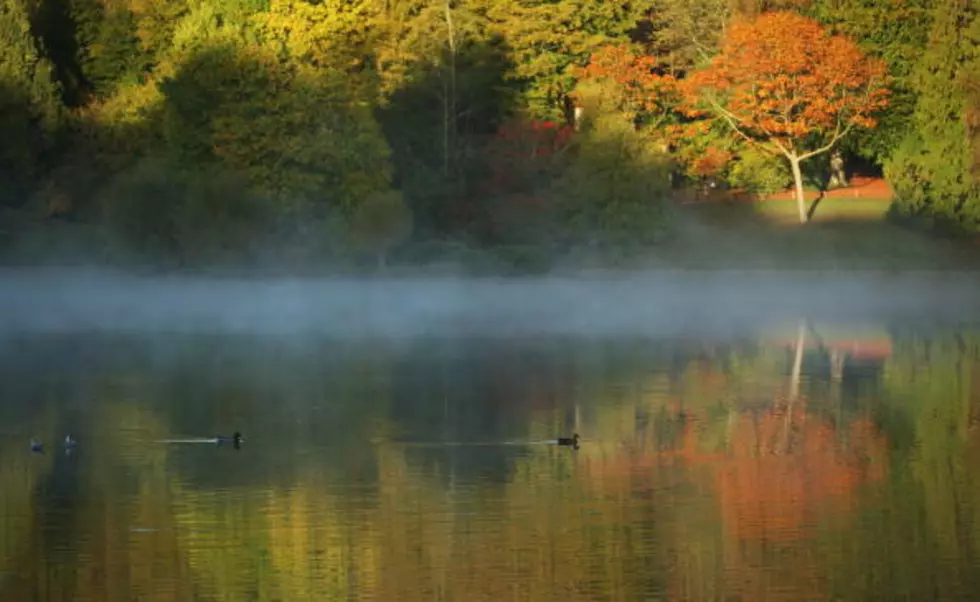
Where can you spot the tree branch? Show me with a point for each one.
(839, 132)
(701, 49)
(732, 121)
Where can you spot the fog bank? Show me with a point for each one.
(596, 304)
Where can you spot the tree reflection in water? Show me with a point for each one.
(708, 469)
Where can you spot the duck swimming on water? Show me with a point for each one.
(235, 439)
(570, 441)
(36, 446)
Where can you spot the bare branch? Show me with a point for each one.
(701, 48)
(826, 147)
(840, 131)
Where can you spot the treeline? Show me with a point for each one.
(302, 131)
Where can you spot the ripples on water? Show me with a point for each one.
(710, 468)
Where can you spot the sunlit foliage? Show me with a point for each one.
(783, 83)
(317, 106)
(934, 166)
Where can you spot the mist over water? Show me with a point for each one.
(586, 304)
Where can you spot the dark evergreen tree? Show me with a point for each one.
(931, 168)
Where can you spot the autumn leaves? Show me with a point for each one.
(784, 84)
(782, 77)
(781, 83)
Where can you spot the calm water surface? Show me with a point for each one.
(830, 462)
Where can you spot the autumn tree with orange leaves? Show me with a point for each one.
(640, 84)
(785, 84)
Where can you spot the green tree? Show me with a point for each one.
(323, 37)
(548, 39)
(614, 191)
(379, 223)
(293, 132)
(896, 32)
(686, 32)
(931, 169)
(30, 100)
(756, 172)
(108, 45)
(165, 212)
(973, 118)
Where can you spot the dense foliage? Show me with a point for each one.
(934, 166)
(192, 131)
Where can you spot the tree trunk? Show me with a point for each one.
(794, 163)
(449, 111)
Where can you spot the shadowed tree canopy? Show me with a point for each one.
(297, 135)
(380, 222)
(30, 102)
(438, 121)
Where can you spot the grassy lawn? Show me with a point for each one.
(845, 233)
(828, 210)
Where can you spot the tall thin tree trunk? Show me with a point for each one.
(794, 163)
(449, 93)
(445, 128)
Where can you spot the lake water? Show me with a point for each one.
(799, 460)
